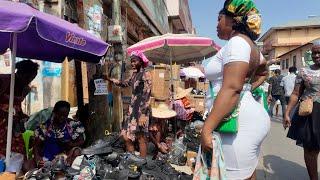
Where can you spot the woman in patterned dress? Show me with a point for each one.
(306, 129)
(136, 123)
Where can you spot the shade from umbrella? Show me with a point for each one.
(180, 47)
(46, 37)
(192, 72)
(32, 34)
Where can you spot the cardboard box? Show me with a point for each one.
(197, 102)
(160, 76)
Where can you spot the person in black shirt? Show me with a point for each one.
(276, 92)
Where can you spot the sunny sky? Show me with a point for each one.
(274, 12)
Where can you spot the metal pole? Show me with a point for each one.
(172, 91)
(10, 116)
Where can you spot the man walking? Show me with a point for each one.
(276, 92)
(288, 83)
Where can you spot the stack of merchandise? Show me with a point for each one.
(105, 159)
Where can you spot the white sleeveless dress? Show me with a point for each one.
(241, 150)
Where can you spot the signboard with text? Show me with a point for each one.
(101, 87)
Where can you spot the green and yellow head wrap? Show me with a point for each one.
(244, 11)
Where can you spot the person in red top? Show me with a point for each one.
(26, 71)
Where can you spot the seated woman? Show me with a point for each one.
(183, 108)
(58, 135)
(157, 127)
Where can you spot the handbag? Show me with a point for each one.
(306, 107)
(210, 161)
(230, 123)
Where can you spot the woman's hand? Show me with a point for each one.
(206, 141)
(115, 81)
(142, 121)
(286, 121)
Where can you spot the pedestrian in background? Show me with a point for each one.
(229, 72)
(136, 123)
(276, 92)
(306, 129)
(288, 83)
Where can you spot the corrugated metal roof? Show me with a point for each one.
(314, 21)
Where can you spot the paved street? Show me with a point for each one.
(280, 157)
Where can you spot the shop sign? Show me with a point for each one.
(115, 33)
(101, 87)
(51, 69)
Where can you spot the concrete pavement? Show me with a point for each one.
(280, 158)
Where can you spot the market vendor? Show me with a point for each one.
(26, 71)
(58, 135)
(136, 123)
(157, 128)
(182, 106)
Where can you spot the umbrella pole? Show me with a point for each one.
(172, 93)
(12, 80)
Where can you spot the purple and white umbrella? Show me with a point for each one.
(44, 36)
(32, 34)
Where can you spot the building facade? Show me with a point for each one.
(282, 39)
(179, 16)
(298, 57)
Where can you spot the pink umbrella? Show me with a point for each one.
(178, 48)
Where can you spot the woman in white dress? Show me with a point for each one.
(229, 73)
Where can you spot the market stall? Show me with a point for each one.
(32, 34)
(176, 48)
